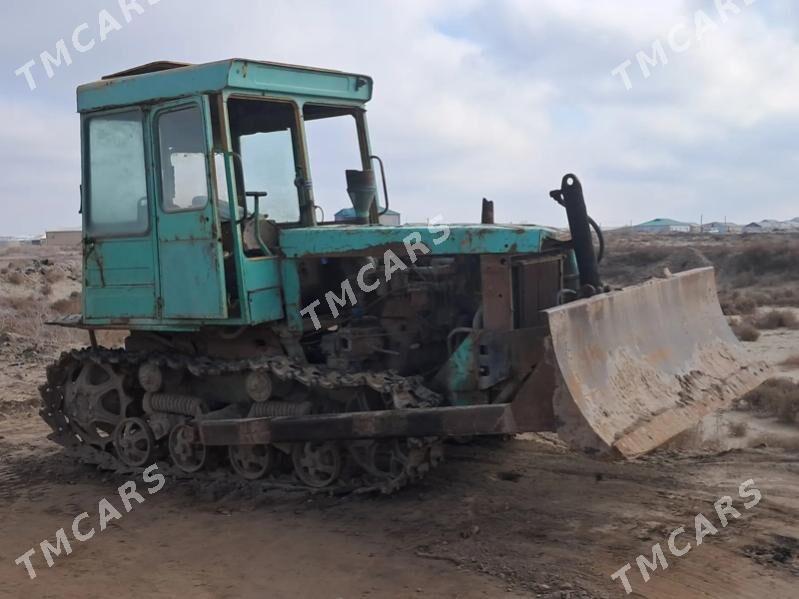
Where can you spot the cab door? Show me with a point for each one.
(190, 258)
(119, 252)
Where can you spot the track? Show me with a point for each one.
(97, 409)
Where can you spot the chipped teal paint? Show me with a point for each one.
(123, 301)
(461, 239)
(295, 81)
(261, 273)
(265, 305)
(144, 324)
(264, 297)
(126, 262)
(190, 282)
(120, 279)
(120, 273)
(292, 294)
(239, 261)
(218, 76)
(189, 251)
(461, 368)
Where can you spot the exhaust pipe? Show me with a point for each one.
(362, 189)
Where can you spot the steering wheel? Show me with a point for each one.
(256, 196)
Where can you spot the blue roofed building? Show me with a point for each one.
(664, 225)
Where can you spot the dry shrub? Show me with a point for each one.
(784, 296)
(778, 257)
(26, 317)
(17, 303)
(68, 305)
(763, 294)
(15, 278)
(745, 331)
(53, 276)
(628, 264)
(778, 397)
(738, 429)
(791, 361)
(737, 303)
(764, 268)
(777, 319)
(746, 305)
(46, 289)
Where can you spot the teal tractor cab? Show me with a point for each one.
(341, 353)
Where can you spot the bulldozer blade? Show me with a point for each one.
(640, 365)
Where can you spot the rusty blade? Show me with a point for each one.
(640, 365)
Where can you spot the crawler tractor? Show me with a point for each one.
(341, 353)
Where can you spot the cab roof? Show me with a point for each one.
(165, 80)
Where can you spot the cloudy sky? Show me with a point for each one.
(473, 98)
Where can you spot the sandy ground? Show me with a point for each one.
(525, 518)
(521, 519)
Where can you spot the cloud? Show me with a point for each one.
(472, 99)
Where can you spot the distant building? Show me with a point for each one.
(718, 228)
(63, 238)
(391, 217)
(663, 225)
(753, 228)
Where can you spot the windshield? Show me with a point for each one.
(334, 146)
(264, 137)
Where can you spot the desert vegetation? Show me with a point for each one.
(757, 276)
(745, 331)
(14, 277)
(791, 361)
(777, 397)
(747, 327)
(738, 429)
(751, 271)
(34, 291)
(777, 319)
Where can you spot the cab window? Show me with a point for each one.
(117, 181)
(264, 136)
(334, 146)
(181, 143)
